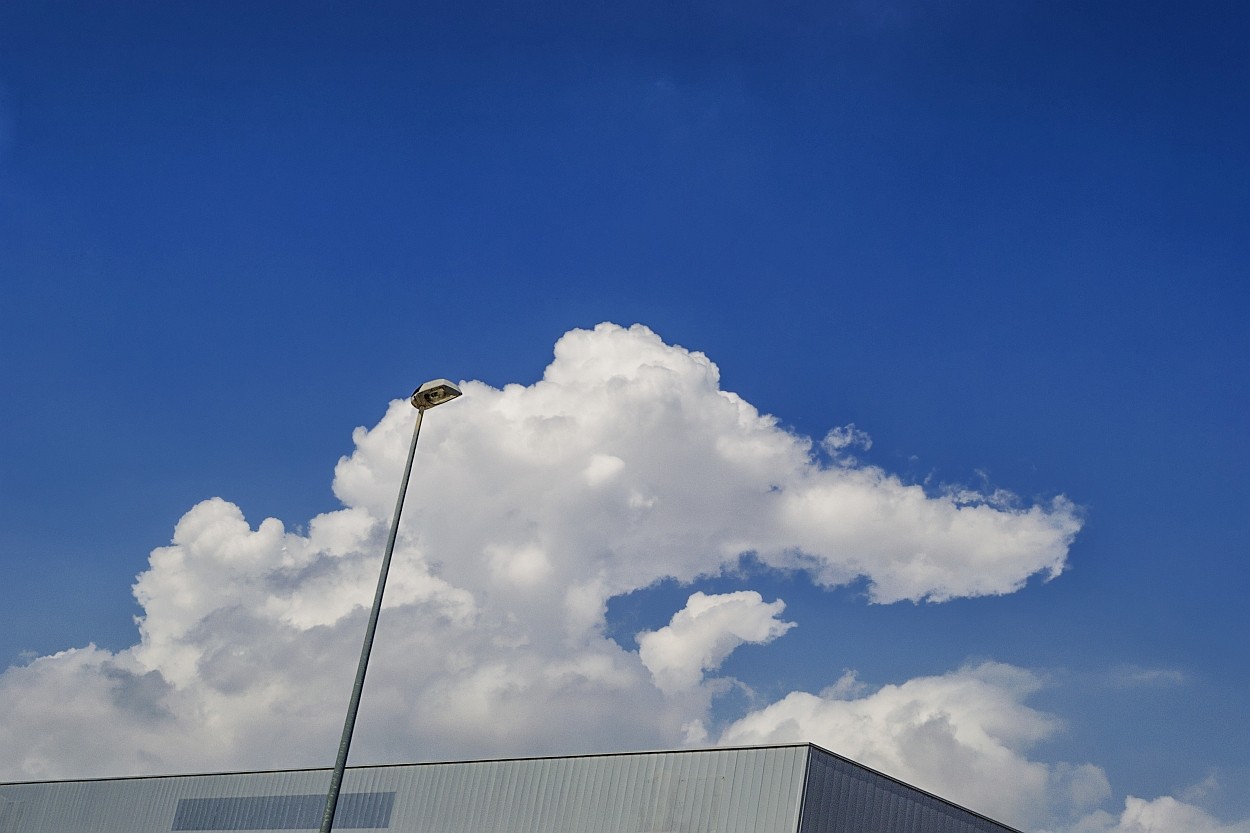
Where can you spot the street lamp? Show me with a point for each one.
(432, 393)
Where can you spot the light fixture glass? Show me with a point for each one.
(434, 392)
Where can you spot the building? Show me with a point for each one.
(796, 788)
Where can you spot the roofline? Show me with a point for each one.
(423, 763)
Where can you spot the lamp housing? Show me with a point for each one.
(434, 392)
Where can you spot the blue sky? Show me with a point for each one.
(1006, 240)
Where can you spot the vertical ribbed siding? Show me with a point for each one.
(843, 797)
(756, 790)
(720, 791)
(136, 805)
(10, 815)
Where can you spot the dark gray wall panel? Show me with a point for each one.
(844, 797)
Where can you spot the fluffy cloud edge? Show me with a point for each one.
(704, 633)
(1164, 814)
(963, 735)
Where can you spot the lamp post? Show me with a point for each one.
(425, 397)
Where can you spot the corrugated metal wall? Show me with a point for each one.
(756, 790)
(843, 797)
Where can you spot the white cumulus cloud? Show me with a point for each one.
(626, 464)
(963, 735)
(1159, 815)
(705, 632)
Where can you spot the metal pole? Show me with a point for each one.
(340, 764)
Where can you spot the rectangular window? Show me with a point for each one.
(283, 812)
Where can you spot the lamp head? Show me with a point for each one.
(433, 393)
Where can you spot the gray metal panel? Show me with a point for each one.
(755, 790)
(844, 797)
